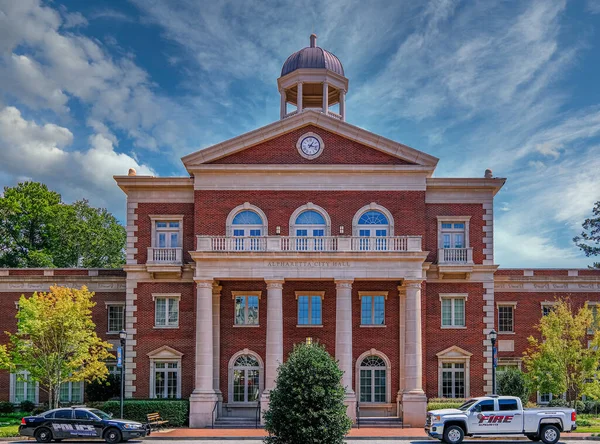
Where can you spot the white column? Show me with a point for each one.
(299, 101)
(343, 339)
(282, 109)
(401, 344)
(414, 401)
(325, 97)
(343, 104)
(274, 342)
(203, 397)
(216, 311)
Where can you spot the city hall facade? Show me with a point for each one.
(309, 229)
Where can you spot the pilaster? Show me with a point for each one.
(343, 339)
(216, 311)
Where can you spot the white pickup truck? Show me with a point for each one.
(499, 415)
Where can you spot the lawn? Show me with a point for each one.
(588, 423)
(9, 424)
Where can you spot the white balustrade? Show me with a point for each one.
(158, 255)
(455, 255)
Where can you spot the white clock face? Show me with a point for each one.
(310, 146)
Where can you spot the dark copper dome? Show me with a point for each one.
(312, 57)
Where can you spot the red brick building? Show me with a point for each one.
(309, 227)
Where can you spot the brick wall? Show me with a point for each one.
(337, 150)
(144, 233)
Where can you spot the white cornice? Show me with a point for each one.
(438, 187)
(157, 189)
(308, 117)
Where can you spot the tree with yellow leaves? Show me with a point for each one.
(56, 340)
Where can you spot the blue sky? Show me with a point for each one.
(89, 89)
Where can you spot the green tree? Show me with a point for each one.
(56, 340)
(37, 229)
(512, 382)
(589, 239)
(563, 361)
(307, 405)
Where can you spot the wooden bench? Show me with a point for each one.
(155, 421)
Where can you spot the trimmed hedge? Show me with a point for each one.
(6, 407)
(444, 403)
(176, 411)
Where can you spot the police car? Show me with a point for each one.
(80, 422)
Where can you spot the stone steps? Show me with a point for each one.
(388, 422)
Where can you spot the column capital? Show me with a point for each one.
(343, 283)
(412, 284)
(216, 289)
(204, 283)
(274, 283)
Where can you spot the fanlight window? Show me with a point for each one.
(310, 217)
(247, 225)
(246, 379)
(372, 361)
(373, 224)
(373, 380)
(247, 217)
(246, 361)
(373, 218)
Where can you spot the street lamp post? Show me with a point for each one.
(493, 336)
(123, 338)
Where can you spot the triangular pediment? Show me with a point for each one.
(165, 352)
(263, 144)
(454, 352)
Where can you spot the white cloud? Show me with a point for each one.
(593, 6)
(38, 152)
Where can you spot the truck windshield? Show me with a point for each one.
(467, 404)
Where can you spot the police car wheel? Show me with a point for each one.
(112, 436)
(454, 435)
(550, 434)
(43, 435)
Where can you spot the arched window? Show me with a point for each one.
(245, 373)
(309, 225)
(373, 229)
(373, 378)
(249, 224)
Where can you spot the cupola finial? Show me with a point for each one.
(313, 40)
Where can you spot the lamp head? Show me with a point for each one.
(493, 335)
(122, 335)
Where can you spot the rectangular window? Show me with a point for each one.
(453, 234)
(166, 379)
(167, 234)
(546, 309)
(23, 389)
(594, 309)
(71, 392)
(453, 311)
(453, 380)
(544, 398)
(116, 318)
(246, 309)
(508, 405)
(309, 310)
(166, 312)
(505, 319)
(372, 309)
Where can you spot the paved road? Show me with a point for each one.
(350, 441)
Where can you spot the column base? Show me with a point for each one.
(350, 401)
(264, 405)
(201, 409)
(414, 408)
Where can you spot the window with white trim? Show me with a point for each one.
(373, 229)
(593, 306)
(247, 225)
(453, 380)
(373, 380)
(246, 307)
(372, 307)
(309, 227)
(246, 379)
(453, 234)
(453, 310)
(547, 308)
(310, 307)
(166, 310)
(71, 392)
(22, 388)
(506, 318)
(116, 317)
(167, 234)
(166, 379)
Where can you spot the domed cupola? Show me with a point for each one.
(313, 78)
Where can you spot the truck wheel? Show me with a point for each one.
(43, 435)
(455, 435)
(113, 436)
(534, 438)
(550, 434)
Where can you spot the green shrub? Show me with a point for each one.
(579, 406)
(592, 407)
(6, 407)
(583, 423)
(40, 409)
(307, 405)
(104, 390)
(27, 406)
(176, 411)
(558, 402)
(444, 403)
(512, 382)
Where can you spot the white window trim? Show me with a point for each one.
(443, 219)
(261, 377)
(164, 354)
(307, 207)
(388, 377)
(165, 218)
(373, 293)
(506, 304)
(453, 355)
(13, 383)
(372, 207)
(453, 296)
(70, 400)
(246, 206)
(235, 294)
(167, 296)
(108, 304)
(321, 294)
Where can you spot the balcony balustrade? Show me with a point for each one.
(307, 244)
(455, 256)
(166, 256)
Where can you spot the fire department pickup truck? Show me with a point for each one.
(499, 415)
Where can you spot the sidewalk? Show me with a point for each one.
(363, 432)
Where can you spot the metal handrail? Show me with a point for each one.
(257, 414)
(213, 414)
(357, 415)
